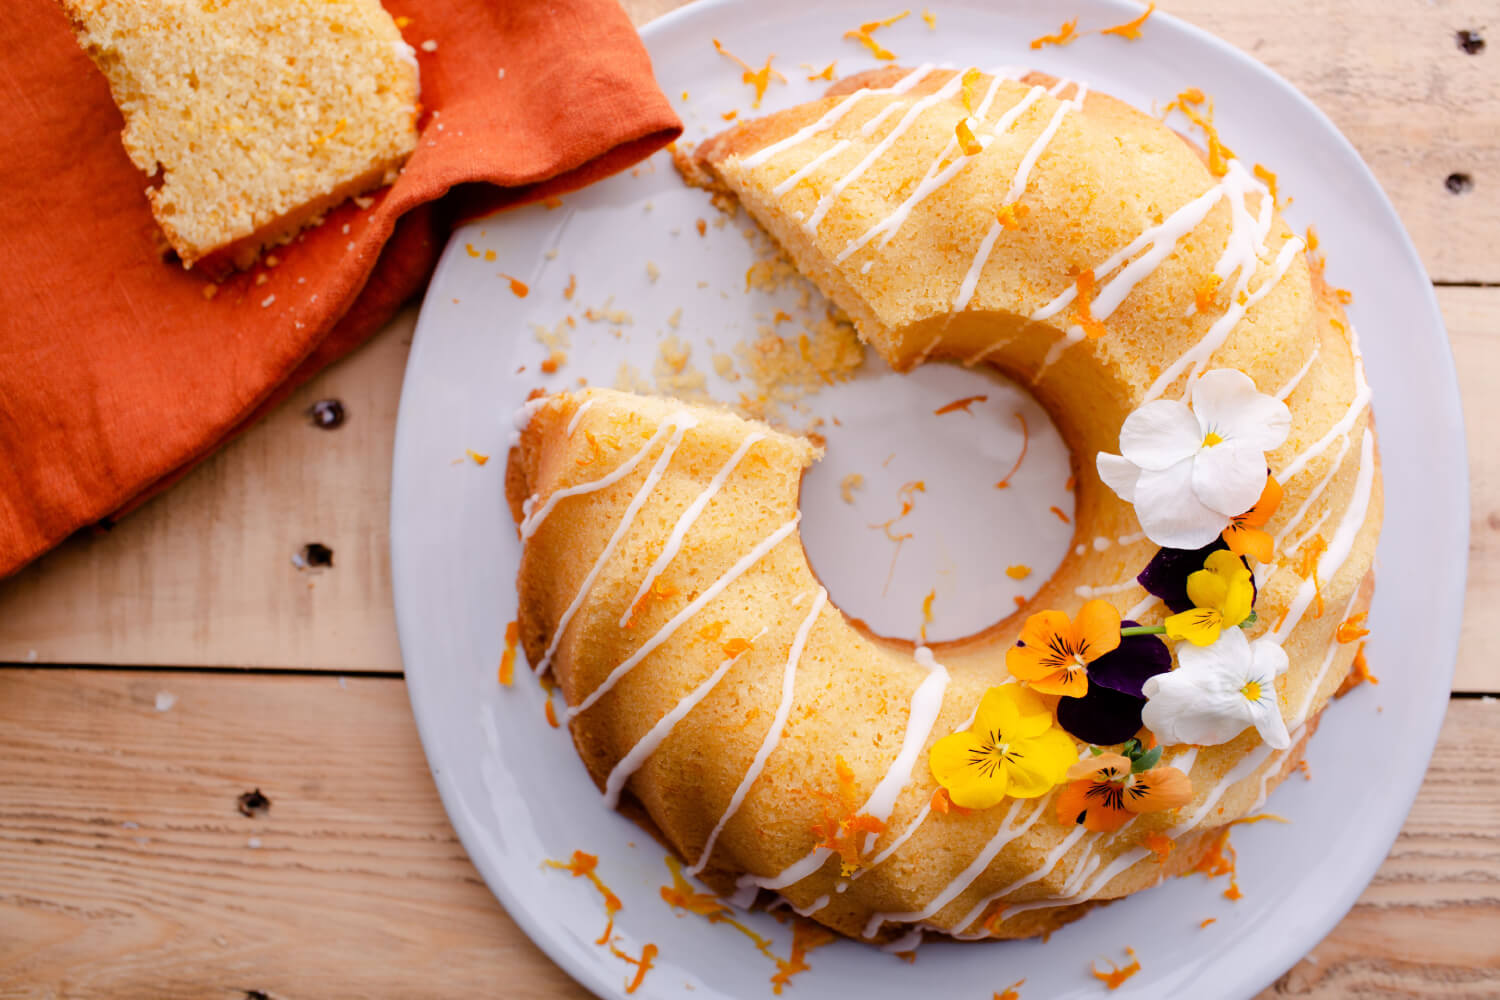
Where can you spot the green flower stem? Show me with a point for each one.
(1126, 633)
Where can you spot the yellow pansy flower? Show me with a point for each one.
(1014, 749)
(1222, 593)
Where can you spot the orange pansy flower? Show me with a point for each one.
(1245, 535)
(1103, 794)
(1054, 652)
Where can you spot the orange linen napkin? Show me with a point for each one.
(118, 372)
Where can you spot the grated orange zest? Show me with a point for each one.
(760, 79)
(1019, 571)
(1352, 628)
(865, 35)
(1116, 975)
(508, 655)
(959, 404)
(1207, 290)
(1010, 214)
(1004, 483)
(1130, 30)
(1065, 35)
(842, 829)
(1011, 992)
(966, 140)
(1082, 313)
(1188, 103)
(826, 73)
(475, 457)
(1158, 844)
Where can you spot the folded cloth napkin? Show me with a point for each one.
(119, 370)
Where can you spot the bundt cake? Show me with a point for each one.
(1079, 749)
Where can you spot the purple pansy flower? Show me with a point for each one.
(1165, 576)
(1110, 712)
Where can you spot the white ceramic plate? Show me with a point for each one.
(512, 785)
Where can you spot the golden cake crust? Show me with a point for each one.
(946, 284)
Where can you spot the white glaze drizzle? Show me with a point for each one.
(838, 187)
(648, 744)
(926, 705)
(910, 941)
(578, 416)
(683, 423)
(533, 518)
(1317, 682)
(698, 603)
(1086, 592)
(1296, 379)
(1264, 571)
(1141, 608)
(1341, 545)
(812, 907)
(831, 117)
(937, 175)
(1197, 356)
(965, 878)
(685, 522)
(773, 734)
(810, 166)
(1042, 871)
(869, 127)
(1017, 188)
(1345, 423)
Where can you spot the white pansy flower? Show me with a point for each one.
(1217, 692)
(1190, 468)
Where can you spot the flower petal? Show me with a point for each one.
(1267, 656)
(1199, 626)
(1137, 658)
(1090, 803)
(1266, 715)
(1252, 542)
(1119, 474)
(1037, 766)
(953, 763)
(1167, 573)
(1160, 434)
(1103, 767)
(1043, 627)
(1180, 710)
(1102, 717)
(1157, 789)
(1227, 403)
(1228, 477)
(1170, 512)
(1096, 630)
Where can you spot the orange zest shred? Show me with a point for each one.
(941, 803)
(1004, 483)
(1219, 859)
(585, 865)
(927, 612)
(1061, 515)
(1065, 35)
(1010, 214)
(1268, 178)
(1352, 628)
(907, 494)
(1020, 601)
(826, 73)
(518, 287)
(1210, 920)
(806, 936)
(681, 894)
(1019, 571)
(1130, 30)
(1158, 844)
(1082, 306)
(508, 656)
(712, 631)
(959, 404)
(865, 35)
(760, 79)
(730, 115)
(971, 80)
(1360, 669)
(1207, 290)
(660, 590)
(1188, 102)
(642, 965)
(1307, 568)
(1011, 992)
(475, 457)
(966, 140)
(572, 287)
(469, 249)
(551, 713)
(930, 19)
(1116, 975)
(552, 201)
(734, 647)
(842, 829)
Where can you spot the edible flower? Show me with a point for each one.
(1245, 535)
(1012, 749)
(1166, 575)
(1222, 593)
(1190, 468)
(1219, 691)
(1053, 653)
(1110, 711)
(1106, 791)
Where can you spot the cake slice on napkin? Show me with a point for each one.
(255, 117)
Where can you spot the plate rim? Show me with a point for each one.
(1285, 953)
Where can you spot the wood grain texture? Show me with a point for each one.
(140, 881)
(203, 577)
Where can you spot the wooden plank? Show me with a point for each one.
(203, 574)
(140, 880)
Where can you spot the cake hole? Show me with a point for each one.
(925, 514)
(1459, 183)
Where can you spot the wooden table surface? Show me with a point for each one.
(152, 674)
